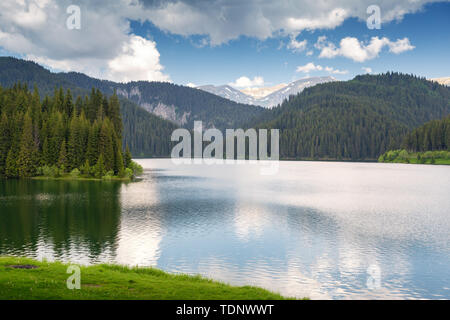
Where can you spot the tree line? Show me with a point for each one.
(357, 119)
(432, 136)
(59, 135)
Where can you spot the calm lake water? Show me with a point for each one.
(317, 229)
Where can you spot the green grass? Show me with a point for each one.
(428, 157)
(48, 281)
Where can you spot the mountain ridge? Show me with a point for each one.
(269, 100)
(180, 104)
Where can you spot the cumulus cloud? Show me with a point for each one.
(359, 51)
(103, 47)
(297, 46)
(139, 59)
(222, 21)
(335, 71)
(37, 29)
(367, 69)
(310, 67)
(245, 82)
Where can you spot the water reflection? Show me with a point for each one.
(66, 220)
(311, 230)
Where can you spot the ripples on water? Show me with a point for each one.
(312, 230)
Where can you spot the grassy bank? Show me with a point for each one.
(23, 278)
(429, 157)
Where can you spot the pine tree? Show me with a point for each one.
(5, 142)
(27, 161)
(68, 105)
(100, 167)
(114, 114)
(11, 165)
(127, 158)
(105, 145)
(118, 164)
(62, 160)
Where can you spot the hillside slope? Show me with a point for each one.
(146, 134)
(179, 104)
(357, 119)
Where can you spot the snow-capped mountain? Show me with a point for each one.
(445, 81)
(230, 93)
(266, 97)
(258, 93)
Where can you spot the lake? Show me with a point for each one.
(326, 230)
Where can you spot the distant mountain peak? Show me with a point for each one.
(265, 96)
(444, 80)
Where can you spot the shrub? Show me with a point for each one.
(75, 173)
(136, 168)
(108, 175)
(128, 173)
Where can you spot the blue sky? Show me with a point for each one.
(217, 42)
(186, 61)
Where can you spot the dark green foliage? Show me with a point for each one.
(357, 119)
(146, 134)
(28, 153)
(429, 143)
(433, 135)
(54, 138)
(127, 158)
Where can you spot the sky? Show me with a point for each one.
(253, 43)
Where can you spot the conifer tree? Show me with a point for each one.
(127, 158)
(100, 167)
(5, 142)
(11, 165)
(62, 160)
(27, 161)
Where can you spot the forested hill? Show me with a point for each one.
(358, 119)
(432, 136)
(56, 136)
(179, 104)
(146, 134)
(427, 144)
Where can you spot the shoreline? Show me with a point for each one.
(29, 279)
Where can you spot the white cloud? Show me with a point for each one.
(335, 71)
(358, 51)
(297, 46)
(309, 67)
(245, 82)
(103, 47)
(222, 21)
(401, 45)
(139, 59)
(191, 85)
(367, 69)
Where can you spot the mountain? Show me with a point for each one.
(179, 104)
(355, 120)
(146, 134)
(267, 97)
(292, 89)
(230, 93)
(445, 80)
(263, 91)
